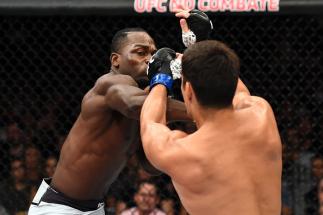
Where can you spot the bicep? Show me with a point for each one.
(117, 92)
(161, 145)
(125, 99)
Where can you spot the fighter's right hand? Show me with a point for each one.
(159, 68)
(196, 25)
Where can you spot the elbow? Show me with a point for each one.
(118, 100)
(132, 110)
(133, 106)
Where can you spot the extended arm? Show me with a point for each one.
(157, 139)
(121, 93)
(176, 111)
(114, 92)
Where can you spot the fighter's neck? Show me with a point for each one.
(211, 116)
(114, 72)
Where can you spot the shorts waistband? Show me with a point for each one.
(53, 196)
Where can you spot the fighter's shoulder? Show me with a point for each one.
(113, 79)
(254, 105)
(250, 101)
(106, 81)
(103, 83)
(260, 109)
(259, 101)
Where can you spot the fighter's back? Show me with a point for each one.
(95, 150)
(234, 164)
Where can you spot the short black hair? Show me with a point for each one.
(212, 68)
(119, 38)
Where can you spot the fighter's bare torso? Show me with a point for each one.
(234, 164)
(94, 152)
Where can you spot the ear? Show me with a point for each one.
(189, 91)
(115, 60)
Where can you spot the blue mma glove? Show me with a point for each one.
(159, 68)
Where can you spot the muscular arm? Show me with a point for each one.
(159, 142)
(115, 92)
(121, 93)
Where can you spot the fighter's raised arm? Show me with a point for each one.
(158, 140)
(160, 143)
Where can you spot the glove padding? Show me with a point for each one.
(200, 28)
(159, 68)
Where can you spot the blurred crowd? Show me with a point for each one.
(301, 134)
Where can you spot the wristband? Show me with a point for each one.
(189, 38)
(164, 79)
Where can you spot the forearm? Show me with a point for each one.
(125, 99)
(134, 107)
(129, 100)
(176, 111)
(154, 108)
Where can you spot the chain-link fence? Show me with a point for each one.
(48, 63)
